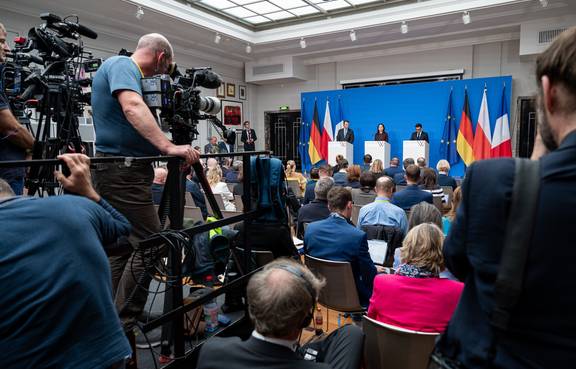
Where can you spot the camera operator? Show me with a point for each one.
(125, 126)
(15, 139)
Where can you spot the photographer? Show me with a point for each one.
(125, 126)
(15, 139)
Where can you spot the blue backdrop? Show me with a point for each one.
(400, 107)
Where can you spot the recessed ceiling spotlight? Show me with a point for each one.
(544, 3)
(139, 13)
(353, 35)
(248, 49)
(404, 28)
(302, 43)
(466, 18)
(217, 38)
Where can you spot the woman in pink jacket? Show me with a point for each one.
(415, 297)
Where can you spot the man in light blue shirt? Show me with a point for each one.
(381, 211)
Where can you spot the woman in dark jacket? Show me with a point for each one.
(381, 134)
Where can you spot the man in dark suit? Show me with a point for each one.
(315, 174)
(248, 137)
(412, 195)
(345, 133)
(419, 135)
(444, 178)
(281, 301)
(341, 177)
(394, 168)
(318, 208)
(399, 178)
(542, 325)
(336, 238)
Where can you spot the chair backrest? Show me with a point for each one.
(437, 200)
(340, 292)
(295, 186)
(387, 346)
(238, 202)
(188, 199)
(231, 186)
(228, 214)
(260, 257)
(219, 201)
(355, 213)
(193, 212)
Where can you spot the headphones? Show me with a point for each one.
(298, 273)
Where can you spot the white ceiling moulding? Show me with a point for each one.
(441, 73)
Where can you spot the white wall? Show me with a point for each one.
(487, 60)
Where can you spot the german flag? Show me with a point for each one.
(465, 138)
(315, 141)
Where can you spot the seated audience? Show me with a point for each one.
(353, 176)
(281, 302)
(57, 304)
(367, 162)
(421, 162)
(415, 297)
(335, 238)
(196, 193)
(412, 194)
(365, 194)
(394, 168)
(214, 177)
(399, 178)
(341, 176)
(381, 211)
(232, 175)
(318, 208)
(323, 171)
(336, 168)
(444, 179)
(309, 192)
(429, 183)
(293, 175)
(158, 183)
(449, 218)
(377, 168)
(226, 166)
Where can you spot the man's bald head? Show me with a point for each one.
(384, 186)
(157, 43)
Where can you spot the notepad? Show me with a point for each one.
(377, 249)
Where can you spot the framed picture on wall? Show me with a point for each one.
(231, 113)
(220, 92)
(230, 90)
(242, 92)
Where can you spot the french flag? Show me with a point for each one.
(482, 145)
(501, 142)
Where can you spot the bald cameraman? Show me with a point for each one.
(15, 140)
(125, 126)
(281, 301)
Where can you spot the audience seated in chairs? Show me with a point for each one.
(293, 175)
(309, 192)
(416, 298)
(353, 176)
(232, 175)
(449, 218)
(444, 178)
(365, 194)
(160, 174)
(377, 168)
(281, 302)
(394, 168)
(400, 178)
(381, 211)
(214, 177)
(341, 176)
(429, 183)
(317, 209)
(412, 195)
(335, 238)
(367, 163)
(336, 168)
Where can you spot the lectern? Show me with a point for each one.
(416, 149)
(343, 148)
(378, 150)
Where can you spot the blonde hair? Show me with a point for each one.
(290, 168)
(456, 199)
(353, 173)
(422, 247)
(377, 166)
(214, 175)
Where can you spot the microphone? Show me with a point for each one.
(32, 58)
(82, 30)
(208, 79)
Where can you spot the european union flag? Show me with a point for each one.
(448, 141)
(303, 140)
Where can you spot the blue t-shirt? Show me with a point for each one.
(9, 151)
(114, 133)
(57, 309)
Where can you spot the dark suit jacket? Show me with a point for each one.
(316, 210)
(224, 353)
(399, 179)
(309, 192)
(335, 239)
(244, 138)
(340, 179)
(392, 171)
(411, 196)
(423, 136)
(381, 136)
(543, 324)
(349, 135)
(444, 180)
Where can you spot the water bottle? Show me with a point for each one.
(211, 316)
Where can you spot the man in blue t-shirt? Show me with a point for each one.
(125, 126)
(57, 309)
(15, 139)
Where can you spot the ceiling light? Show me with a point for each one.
(302, 43)
(466, 18)
(353, 35)
(139, 13)
(248, 49)
(217, 38)
(404, 27)
(544, 3)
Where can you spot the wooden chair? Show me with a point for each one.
(219, 201)
(387, 346)
(189, 200)
(437, 201)
(231, 186)
(340, 292)
(260, 257)
(238, 202)
(193, 212)
(355, 213)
